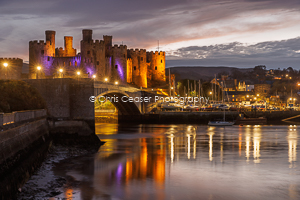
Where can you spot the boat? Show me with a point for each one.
(220, 123)
(251, 121)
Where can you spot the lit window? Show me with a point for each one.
(232, 95)
(76, 63)
(70, 64)
(64, 63)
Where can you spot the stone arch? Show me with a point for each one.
(124, 108)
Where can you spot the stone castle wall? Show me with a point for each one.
(96, 58)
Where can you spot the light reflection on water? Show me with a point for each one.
(194, 162)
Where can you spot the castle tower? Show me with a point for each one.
(157, 66)
(41, 54)
(108, 44)
(139, 66)
(50, 37)
(92, 55)
(87, 34)
(119, 64)
(69, 50)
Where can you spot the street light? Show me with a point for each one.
(257, 95)
(78, 73)
(106, 79)
(61, 71)
(39, 69)
(94, 76)
(116, 82)
(5, 65)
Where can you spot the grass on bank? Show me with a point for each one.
(19, 95)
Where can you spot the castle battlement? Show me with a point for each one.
(40, 42)
(162, 53)
(121, 46)
(11, 59)
(137, 50)
(97, 42)
(129, 59)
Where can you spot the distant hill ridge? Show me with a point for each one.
(202, 72)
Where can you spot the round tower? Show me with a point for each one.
(50, 41)
(139, 67)
(87, 34)
(108, 44)
(119, 63)
(157, 65)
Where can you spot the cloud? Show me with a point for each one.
(276, 54)
(139, 24)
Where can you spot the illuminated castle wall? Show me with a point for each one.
(96, 57)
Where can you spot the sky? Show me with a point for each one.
(235, 33)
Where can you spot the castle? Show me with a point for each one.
(97, 59)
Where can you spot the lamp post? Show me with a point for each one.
(106, 79)
(6, 67)
(210, 94)
(78, 74)
(38, 71)
(94, 77)
(61, 73)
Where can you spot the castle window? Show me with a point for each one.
(142, 58)
(160, 61)
(155, 67)
(70, 63)
(116, 66)
(75, 63)
(48, 58)
(124, 55)
(42, 52)
(88, 52)
(98, 63)
(134, 67)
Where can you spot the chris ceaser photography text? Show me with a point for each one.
(181, 100)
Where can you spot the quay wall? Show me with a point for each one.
(26, 132)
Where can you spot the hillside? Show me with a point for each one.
(205, 73)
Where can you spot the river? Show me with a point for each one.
(175, 162)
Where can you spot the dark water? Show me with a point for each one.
(185, 162)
